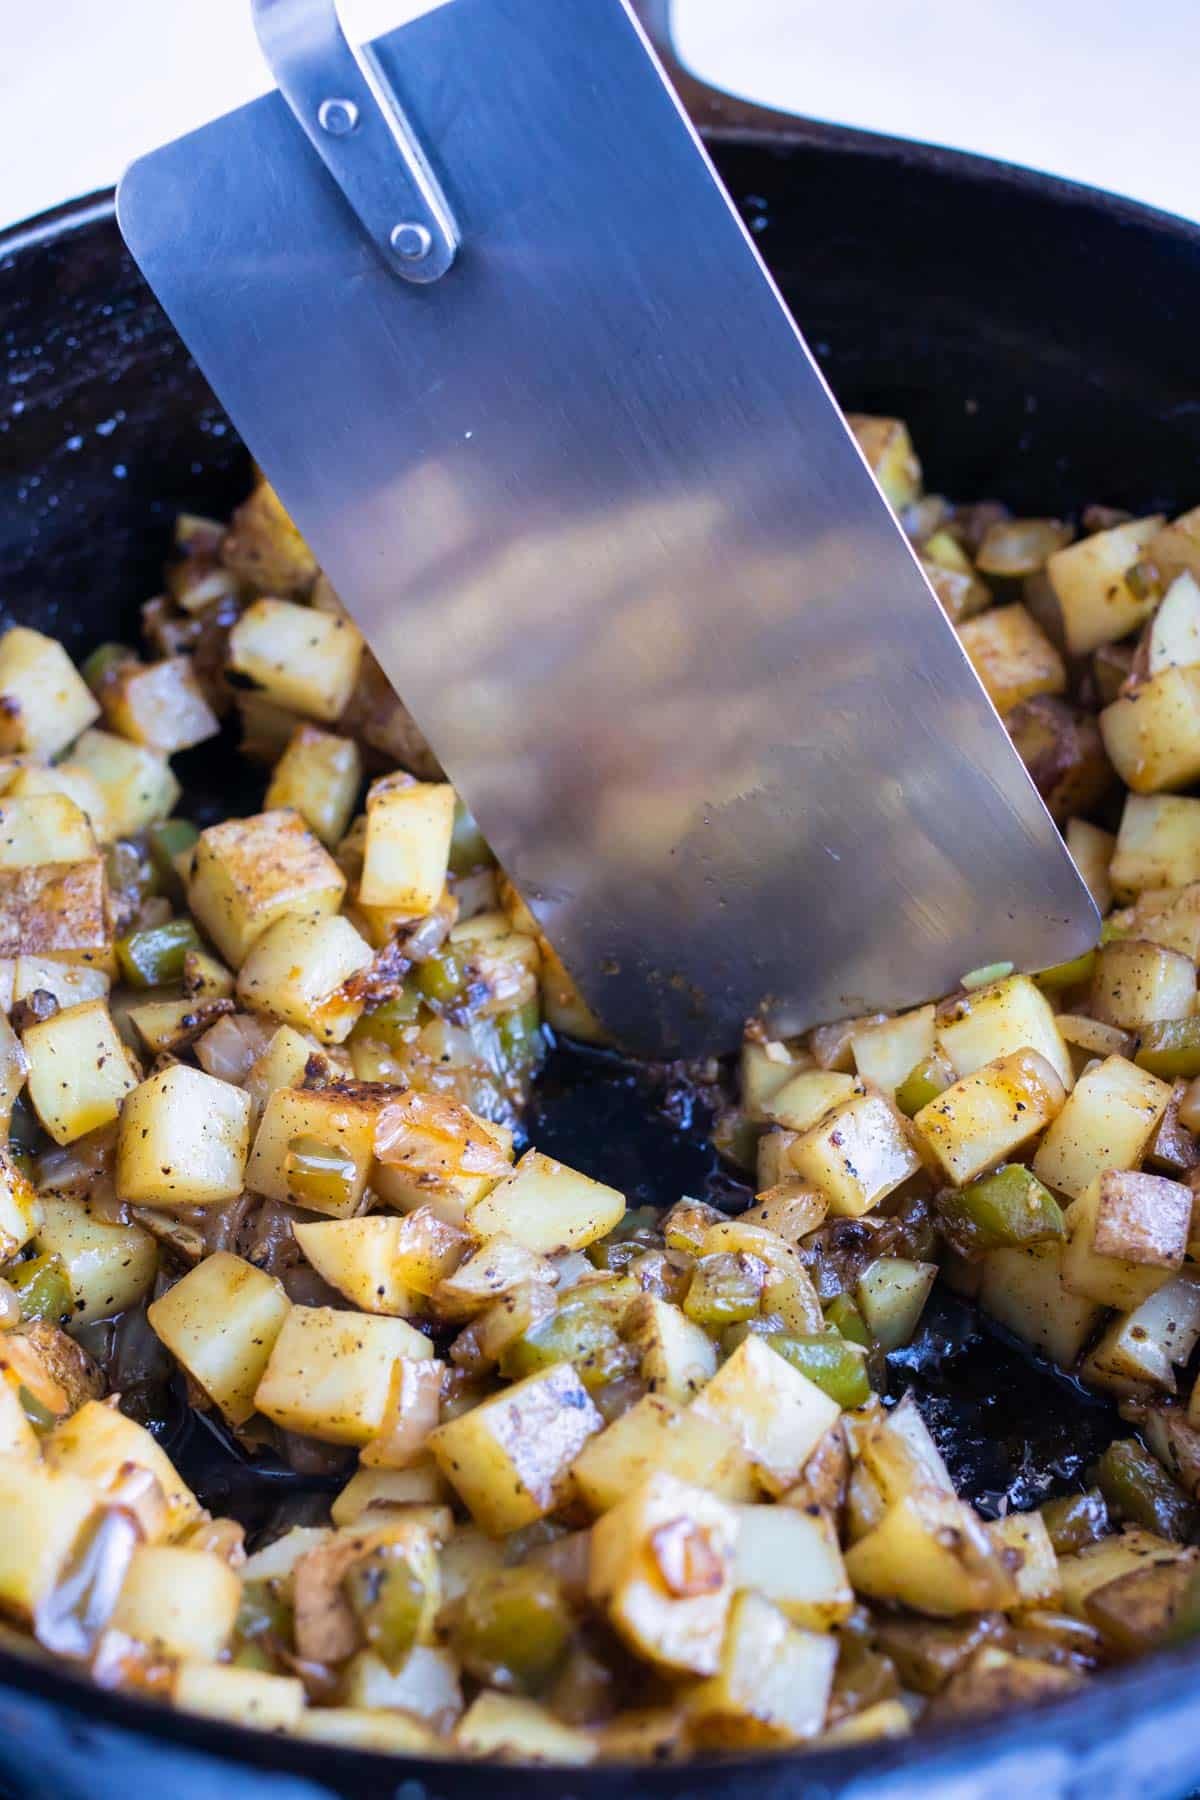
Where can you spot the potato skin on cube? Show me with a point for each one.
(509, 1458)
(183, 1140)
(1129, 1232)
(330, 1373)
(547, 1206)
(778, 1413)
(989, 1115)
(249, 873)
(221, 1322)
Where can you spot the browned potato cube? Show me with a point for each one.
(1012, 656)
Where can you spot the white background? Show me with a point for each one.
(1103, 92)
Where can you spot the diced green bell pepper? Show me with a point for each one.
(1170, 1048)
(43, 1288)
(1067, 974)
(388, 1597)
(923, 1083)
(1008, 1210)
(102, 661)
(846, 1319)
(830, 1361)
(724, 1290)
(469, 848)
(1136, 1486)
(165, 842)
(1075, 1520)
(154, 957)
(512, 1628)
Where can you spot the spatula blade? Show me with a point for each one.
(590, 501)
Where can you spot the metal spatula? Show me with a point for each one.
(479, 306)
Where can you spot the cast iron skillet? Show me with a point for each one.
(1039, 338)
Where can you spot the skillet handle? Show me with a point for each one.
(708, 108)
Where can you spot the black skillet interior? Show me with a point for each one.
(1038, 340)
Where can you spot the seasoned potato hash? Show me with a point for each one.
(584, 1481)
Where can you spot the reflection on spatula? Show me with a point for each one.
(498, 337)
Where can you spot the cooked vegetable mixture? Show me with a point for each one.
(590, 1482)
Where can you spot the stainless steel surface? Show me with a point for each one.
(591, 502)
(357, 126)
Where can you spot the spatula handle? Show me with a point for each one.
(358, 128)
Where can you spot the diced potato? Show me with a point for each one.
(778, 1413)
(100, 1446)
(20, 1209)
(764, 1067)
(1152, 735)
(42, 692)
(773, 1685)
(1088, 578)
(1092, 850)
(1025, 1291)
(1061, 747)
(885, 1054)
(1106, 1123)
(138, 786)
(237, 1696)
(59, 910)
(357, 1257)
(1170, 917)
(931, 1553)
(159, 705)
(520, 1731)
(296, 971)
(264, 549)
(792, 1210)
(661, 1566)
(428, 1250)
(678, 1357)
(370, 1489)
(18, 1440)
(425, 1685)
(1142, 1348)
(1137, 983)
(807, 1096)
(1012, 656)
(1107, 1560)
(547, 1207)
(1158, 844)
(221, 1322)
(1174, 636)
(300, 658)
(793, 1558)
(1037, 1575)
(509, 1459)
(994, 1021)
(333, 1125)
(1129, 1232)
(78, 784)
(281, 1064)
(70, 983)
(44, 828)
(247, 874)
(182, 1603)
(884, 1719)
(111, 1268)
(857, 1155)
(891, 1294)
(79, 1070)
(330, 1373)
(1176, 547)
(276, 1562)
(183, 1140)
(496, 1269)
(317, 776)
(890, 456)
(991, 1114)
(657, 1435)
(44, 1509)
(407, 849)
